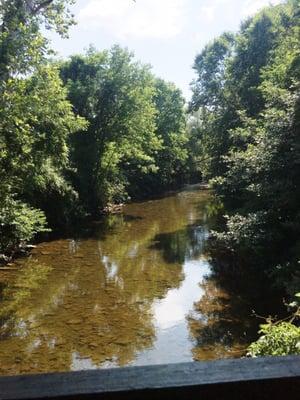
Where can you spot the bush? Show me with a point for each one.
(19, 223)
(279, 338)
(276, 340)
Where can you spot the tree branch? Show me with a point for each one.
(44, 4)
(36, 9)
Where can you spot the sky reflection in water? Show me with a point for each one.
(130, 294)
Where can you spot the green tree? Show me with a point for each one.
(261, 184)
(22, 45)
(171, 158)
(213, 107)
(35, 117)
(115, 94)
(171, 127)
(253, 154)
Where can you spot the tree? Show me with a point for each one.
(256, 185)
(115, 94)
(227, 88)
(22, 45)
(35, 117)
(216, 109)
(170, 128)
(250, 136)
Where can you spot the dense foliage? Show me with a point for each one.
(246, 115)
(77, 135)
(35, 119)
(136, 130)
(279, 338)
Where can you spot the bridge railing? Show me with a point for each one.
(261, 378)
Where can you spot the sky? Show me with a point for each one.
(167, 34)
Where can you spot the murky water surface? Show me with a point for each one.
(138, 291)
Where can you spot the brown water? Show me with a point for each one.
(137, 291)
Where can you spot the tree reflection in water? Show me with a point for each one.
(224, 320)
(136, 291)
(87, 303)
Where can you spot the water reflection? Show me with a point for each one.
(176, 247)
(217, 325)
(128, 294)
(174, 341)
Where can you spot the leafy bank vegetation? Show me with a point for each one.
(246, 114)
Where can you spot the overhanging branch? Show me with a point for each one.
(35, 9)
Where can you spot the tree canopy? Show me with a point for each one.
(136, 132)
(35, 121)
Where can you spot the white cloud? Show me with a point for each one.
(207, 13)
(210, 9)
(160, 19)
(252, 6)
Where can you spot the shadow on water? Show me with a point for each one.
(235, 299)
(185, 244)
(221, 324)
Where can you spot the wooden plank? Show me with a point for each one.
(260, 378)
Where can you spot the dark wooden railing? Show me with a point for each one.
(261, 378)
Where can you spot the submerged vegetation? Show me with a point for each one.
(100, 128)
